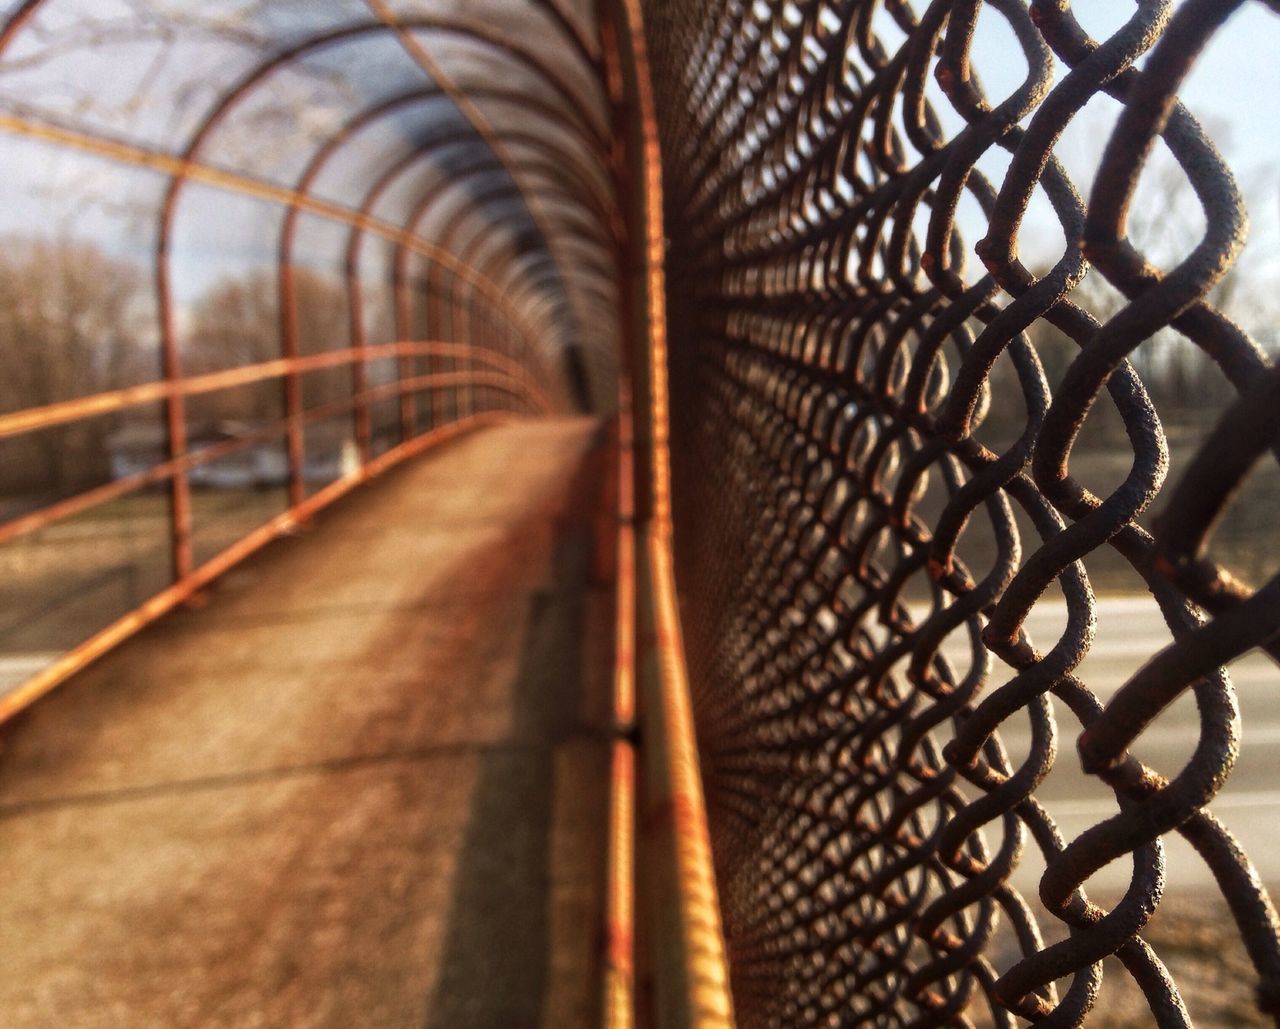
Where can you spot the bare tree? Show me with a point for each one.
(1166, 222)
(71, 325)
(238, 323)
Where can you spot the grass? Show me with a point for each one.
(60, 585)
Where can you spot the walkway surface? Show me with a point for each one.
(364, 785)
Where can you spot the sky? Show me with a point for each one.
(1234, 90)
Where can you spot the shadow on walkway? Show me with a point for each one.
(359, 787)
(497, 960)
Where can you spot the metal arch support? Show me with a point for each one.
(289, 328)
(355, 290)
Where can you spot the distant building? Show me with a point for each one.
(137, 447)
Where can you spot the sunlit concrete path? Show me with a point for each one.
(364, 784)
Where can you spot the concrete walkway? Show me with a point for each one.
(363, 786)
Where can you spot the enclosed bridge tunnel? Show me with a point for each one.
(555, 513)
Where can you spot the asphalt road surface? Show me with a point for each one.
(1130, 631)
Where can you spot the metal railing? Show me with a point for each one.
(472, 257)
(882, 477)
(874, 467)
(674, 971)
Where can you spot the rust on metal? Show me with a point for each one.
(510, 363)
(618, 1004)
(879, 481)
(686, 950)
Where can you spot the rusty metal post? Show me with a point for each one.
(291, 381)
(175, 414)
(684, 944)
(448, 322)
(403, 316)
(359, 341)
(461, 303)
(442, 407)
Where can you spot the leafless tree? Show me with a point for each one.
(238, 323)
(71, 324)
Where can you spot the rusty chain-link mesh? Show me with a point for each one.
(881, 478)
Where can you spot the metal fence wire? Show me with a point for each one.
(883, 475)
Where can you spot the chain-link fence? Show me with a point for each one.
(914, 475)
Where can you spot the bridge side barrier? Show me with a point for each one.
(681, 975)
(906, 465)
(481, 245)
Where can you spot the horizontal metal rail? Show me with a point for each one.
(686, 978)
(484, 311)
(32, 419)
(101, 642)
(618, 985)
(123, 486)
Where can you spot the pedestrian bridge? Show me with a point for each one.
(555, 513)
(363, 782)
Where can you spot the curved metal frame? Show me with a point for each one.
(504, 303)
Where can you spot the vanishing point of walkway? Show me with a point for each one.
(364, 784)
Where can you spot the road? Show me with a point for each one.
(1130, 631)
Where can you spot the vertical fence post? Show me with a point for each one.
(291, 381)
(435, 333)
(359, 341)
(180, 514)
(477, 335)
(464, 332)
(446, 323)
(425, 364)
(403, 305)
